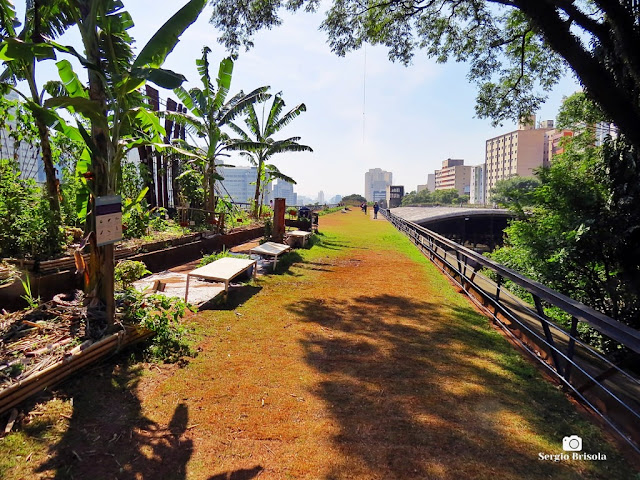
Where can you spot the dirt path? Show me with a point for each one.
(358, 362)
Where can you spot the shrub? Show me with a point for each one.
(207, 259)
(27, 225)
(158, 221)
(135, 220)
(128, 271)
(162, 315)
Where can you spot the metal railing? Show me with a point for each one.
(596, 380)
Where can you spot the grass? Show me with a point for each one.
(357, 360)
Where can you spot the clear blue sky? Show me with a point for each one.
(414, 117)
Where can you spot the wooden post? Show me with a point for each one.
(278, 220)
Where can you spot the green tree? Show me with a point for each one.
(208, 114)
(20, 52)
(581, 236)
(515, 193)
(112, 105)
(353, 199)
(516, 49)
(447, 196)
(260, 146)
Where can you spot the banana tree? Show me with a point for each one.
(258, 142)
(208, 112)
(20, 53)
(113, 106)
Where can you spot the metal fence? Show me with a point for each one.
(610, 388)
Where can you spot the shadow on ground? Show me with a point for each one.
(242, 474)
(108, 437)
(419, 392)
(236, 297)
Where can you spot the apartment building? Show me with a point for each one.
(239, 184)
(284, 189)
(477, 186)
(554, 144)
(376, 182)
(453, 174)
(516, 153)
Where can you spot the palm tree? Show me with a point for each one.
(208, 114)
(262, 146)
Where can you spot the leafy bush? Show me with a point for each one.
(128, 271)
(162, 315)
(158, 221)
(27, 225)
(135, 219)
(207, 259)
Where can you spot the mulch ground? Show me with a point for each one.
(356, 360)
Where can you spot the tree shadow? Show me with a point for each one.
(237, 296)
(417, 395)
(109, 437)
(242, 474)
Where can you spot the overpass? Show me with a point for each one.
(480, 228)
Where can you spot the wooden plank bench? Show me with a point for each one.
(222, 270)
(299, 235)
(271, 249)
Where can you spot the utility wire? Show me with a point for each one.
(364, 91)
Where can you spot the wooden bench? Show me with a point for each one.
(222, 270)
(271, 249)
(299, 235)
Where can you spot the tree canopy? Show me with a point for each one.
(449, 196)
(516, 49)
(515, 193)
(580, 235)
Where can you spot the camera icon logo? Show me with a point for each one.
(572, 443)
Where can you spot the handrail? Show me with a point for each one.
(561, 352)
(613, 329)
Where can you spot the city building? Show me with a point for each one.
(240, 184)
(604, 130)
(420, 188)
(284, 189)
(453, 174)
(431, 182)
(554, 144)
(393, 196)
(376, 182)
(516, 153)
(321, 197)
(335, 200)
(28, 156)
(476, 188)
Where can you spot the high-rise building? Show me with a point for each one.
(431, 182)
(321, 197)
(553, 144)
(27, 155)
(336, 199)
(239, 184)
(476, 188)
(604, 130)
(284, 189)
(393, 196)
(453, 174)
(376, 181)
(515, 153)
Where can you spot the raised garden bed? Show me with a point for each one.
(57, 276)
(42, 346)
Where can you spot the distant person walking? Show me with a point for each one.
(364, 207)
(376, 207)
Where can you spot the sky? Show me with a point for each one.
(363, 111)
